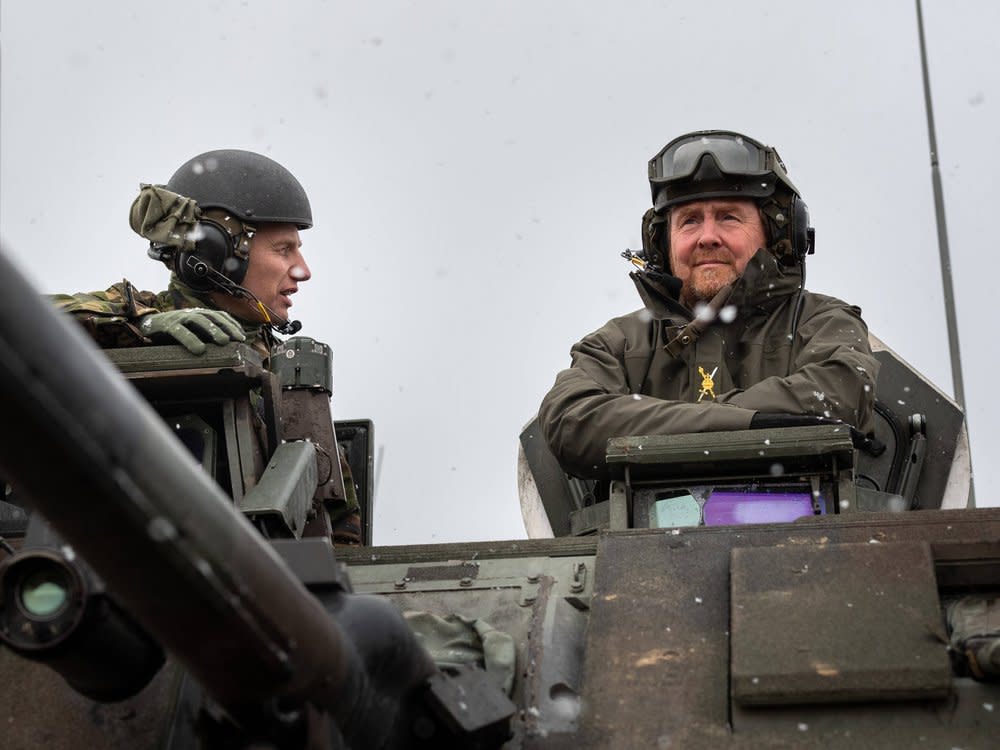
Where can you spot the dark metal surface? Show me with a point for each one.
(658, 646)
(836, 623)
(302, 362)
(736, 452)
(306, 414)
(357, 437)
(419, 553)
(484, 716)
(905, 392)
(561, 494)
(38, 710)
(247, 432)
(282, 497)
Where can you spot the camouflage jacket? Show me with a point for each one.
(638, 376)
(112, 317)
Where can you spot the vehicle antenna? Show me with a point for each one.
(942, 228)
(942, 232)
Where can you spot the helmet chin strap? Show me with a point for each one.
(282, 325)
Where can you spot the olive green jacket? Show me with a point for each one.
(624, 381)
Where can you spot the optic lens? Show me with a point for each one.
(44, 592)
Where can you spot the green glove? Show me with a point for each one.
(192, 327)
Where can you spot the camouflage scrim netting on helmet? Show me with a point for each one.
(164, 217)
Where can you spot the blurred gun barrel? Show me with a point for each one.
(99, 464)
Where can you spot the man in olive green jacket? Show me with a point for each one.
(728, 339)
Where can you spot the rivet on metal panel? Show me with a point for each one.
(400, 584)
(533, 578)
(465, 581)
(579, 578)
(529, 594)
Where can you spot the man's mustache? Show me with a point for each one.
(713, 256)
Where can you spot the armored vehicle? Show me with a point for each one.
(168, 579)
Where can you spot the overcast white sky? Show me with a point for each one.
(475, 168)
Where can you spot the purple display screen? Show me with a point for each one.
(735, 508)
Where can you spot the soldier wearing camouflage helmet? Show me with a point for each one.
(728, 338)
(226, 225)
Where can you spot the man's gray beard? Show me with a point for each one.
(691, 297)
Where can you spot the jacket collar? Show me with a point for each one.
(764, 285)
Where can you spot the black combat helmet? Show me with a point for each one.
(253, 187)
(709, 164)
(715, 164)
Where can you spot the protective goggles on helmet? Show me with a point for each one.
(734, 154)
(714, 163)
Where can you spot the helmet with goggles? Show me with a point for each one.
(715, 164)
(709, 164)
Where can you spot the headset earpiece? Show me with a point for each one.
(787, 230)
(802, 235)
(215, 250)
